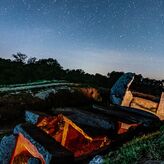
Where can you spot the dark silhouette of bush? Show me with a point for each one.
(19, 57)
(147, 86)
(19, 71)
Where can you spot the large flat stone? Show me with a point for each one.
(51, 150)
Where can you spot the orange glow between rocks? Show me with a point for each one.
(68, 134)
(123, 127)
(71, 136)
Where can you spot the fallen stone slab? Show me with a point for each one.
(71, 136)
(45, 147)
(91, 123)
(129, 115)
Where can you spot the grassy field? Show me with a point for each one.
(139, 150)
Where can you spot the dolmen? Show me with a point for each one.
(65, 137)
(50, 139)
(122, 94)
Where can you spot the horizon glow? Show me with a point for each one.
(96, 36)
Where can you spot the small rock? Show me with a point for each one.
(43, 95)
(7, 145)
(97, 160)
(34, 161)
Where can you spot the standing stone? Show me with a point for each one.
(119, 88)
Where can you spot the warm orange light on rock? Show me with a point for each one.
(91, 93)
(125, 127)
(25, 147)
(71, 136)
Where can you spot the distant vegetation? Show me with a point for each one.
(23, 70)
(147, 85)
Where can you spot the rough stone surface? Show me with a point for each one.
(34, 161)
(160, 111)
(6, 148)
(144, 104)
(97, 160)
(51, 150)
(119, 88)
(91, 93)
(127, 99)
(129, 115)
(43, 95)
(32, 117)
(91, 123)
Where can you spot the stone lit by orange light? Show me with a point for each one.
(71, 136)
(24, 149)
(123, 127)
(91, 93)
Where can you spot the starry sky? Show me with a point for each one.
(93, 35)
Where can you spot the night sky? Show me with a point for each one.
(93, 35)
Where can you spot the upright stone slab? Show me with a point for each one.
(119, 88)
(160, 111)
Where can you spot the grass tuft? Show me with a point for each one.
(148, 147)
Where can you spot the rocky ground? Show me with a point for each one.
(41, 96)
(46, 98)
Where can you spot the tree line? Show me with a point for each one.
(22, 69)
